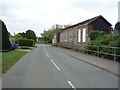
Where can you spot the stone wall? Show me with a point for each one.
(69, 38)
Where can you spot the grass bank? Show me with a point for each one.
(10, 58)
(45, 43)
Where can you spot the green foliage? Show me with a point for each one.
(17, 37)
(26, 42)
(94, 34)
(29, 35)
(23, 34)
(117, 26)
(108, 41)
(25, 47)
(48, 35)
(115, 41)
(6, 45)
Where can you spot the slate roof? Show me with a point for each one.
(88, 21)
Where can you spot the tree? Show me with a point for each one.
(18, 37)
(65, 26)
(23, 34)
(117, 26)
(30, 35)
(48, 35)
(6, 45)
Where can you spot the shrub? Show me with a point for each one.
(105, 40)
(115, 41)
(26, 42)
(6, 45)
(117, 26)
(94, 34)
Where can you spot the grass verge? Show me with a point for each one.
(45, 43)
(26, 47)
(10, 58)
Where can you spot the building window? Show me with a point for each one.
(79, 35)
(84, 35)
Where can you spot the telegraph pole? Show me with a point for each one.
(119, 11)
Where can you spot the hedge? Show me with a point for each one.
(6, 45)
(94, 34)
(108, 41)
(26, 42)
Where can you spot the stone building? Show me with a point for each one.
(76, 36)
(12, 39)
(40, 40)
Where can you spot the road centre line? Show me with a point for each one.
(47, 55)
(55, 65)
(71, 85)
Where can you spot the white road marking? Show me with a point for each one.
(47, 55)
(71, 85)
(55, 65)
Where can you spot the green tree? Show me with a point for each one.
(18, 37)
(23, 34)
(30, 35)
(6, 45)
(48, 35)
(117, 26)
(65, 26)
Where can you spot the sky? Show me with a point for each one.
(40, 15)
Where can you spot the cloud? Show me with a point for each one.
(21, 15)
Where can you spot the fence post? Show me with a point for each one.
(98, 51)
(114, 54)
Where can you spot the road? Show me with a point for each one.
(45, 67)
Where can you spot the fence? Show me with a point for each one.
(103, 50)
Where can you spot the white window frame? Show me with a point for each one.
(79, 35)
(84, 35)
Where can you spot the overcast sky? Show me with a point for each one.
(21, 15)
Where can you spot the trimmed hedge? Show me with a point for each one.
(6, 45)
(26, 42)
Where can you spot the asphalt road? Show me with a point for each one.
(45, 67)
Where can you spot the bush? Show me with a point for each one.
(94, 34)
(117, 26)
(26, 42)
(6, 45)
(105, 40)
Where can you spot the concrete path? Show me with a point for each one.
(46, 67)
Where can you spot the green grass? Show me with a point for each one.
(25, 47)
(10, 58)
(56, 46)
(45, 43)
